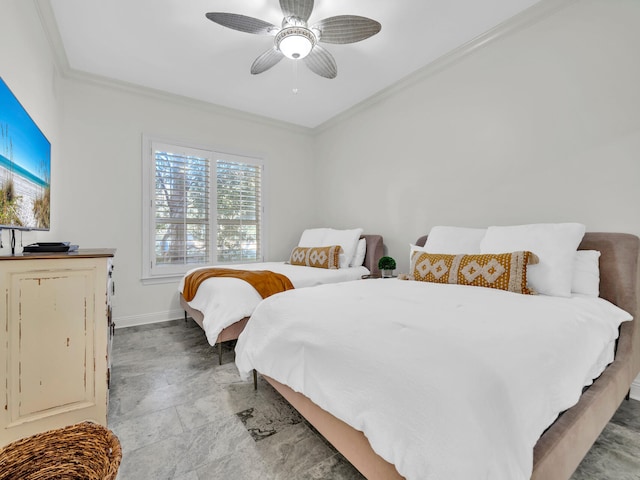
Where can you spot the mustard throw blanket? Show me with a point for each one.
(264, 281)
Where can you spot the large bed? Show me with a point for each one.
(222, 306)
(556, 413)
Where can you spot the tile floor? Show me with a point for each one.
(180, 415)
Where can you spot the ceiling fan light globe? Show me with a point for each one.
(295, 47)
(295, 42)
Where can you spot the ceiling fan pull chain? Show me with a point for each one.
(295, 77)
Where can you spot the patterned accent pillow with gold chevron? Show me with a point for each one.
(503, 271)
(319, 257)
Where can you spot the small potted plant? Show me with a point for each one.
(386, 265)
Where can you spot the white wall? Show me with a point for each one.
(27, 66)
(540, 125)
(96, 131)
(101, 202)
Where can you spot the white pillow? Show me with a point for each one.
(348, 239)
(323, 237)
(313, 237)
(454, 240)
(555, 244)
(415, 248)
(361, 251)
(586, 273)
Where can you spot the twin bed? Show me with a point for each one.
(222, 306)
(421, 380)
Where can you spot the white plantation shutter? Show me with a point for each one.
(205, 208)
(182, 226)
(239, 210)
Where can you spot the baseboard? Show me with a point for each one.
(146, 318)
(635, 389)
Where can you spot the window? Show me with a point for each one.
(202, 207)
(238, 210)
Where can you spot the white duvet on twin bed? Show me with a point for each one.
(447, 382)
(224, 300)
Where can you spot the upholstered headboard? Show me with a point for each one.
(374, 252)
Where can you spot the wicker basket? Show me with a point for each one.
(86, 451)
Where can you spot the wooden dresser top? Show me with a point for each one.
(82, 253)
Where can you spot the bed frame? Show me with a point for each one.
(375, 250)
(564, 444)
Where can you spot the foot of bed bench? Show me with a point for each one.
(220, 353)
(255, 379)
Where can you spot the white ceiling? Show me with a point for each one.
(170, 45)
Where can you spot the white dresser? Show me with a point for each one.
(55, 340)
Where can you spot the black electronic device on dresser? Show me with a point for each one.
(42, 247)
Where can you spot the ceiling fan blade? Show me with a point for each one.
(267, 60)
(243, 23)
(346, 29)
(297, 8)
(320, 61)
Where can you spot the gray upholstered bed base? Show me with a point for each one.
(561, 448)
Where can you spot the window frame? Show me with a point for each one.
(152, 273)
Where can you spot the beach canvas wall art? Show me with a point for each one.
(25, 167)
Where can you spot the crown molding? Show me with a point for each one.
(531, 16)
(47, 19)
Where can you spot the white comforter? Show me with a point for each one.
(447, 382)
(224, 301)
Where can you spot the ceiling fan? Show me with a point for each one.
(296, 40)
